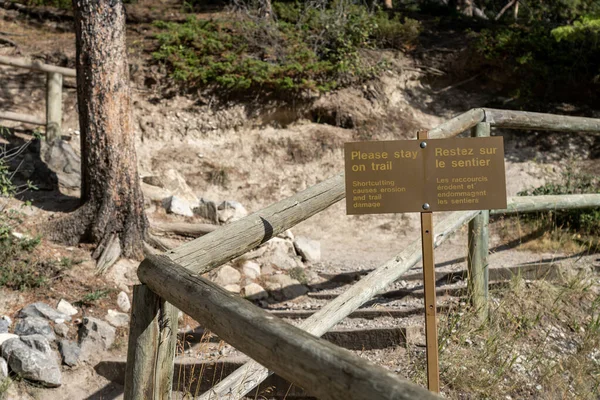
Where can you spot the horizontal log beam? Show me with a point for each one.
(29, 119)
(458, 124)
(36, 66)
(547, 122)
(527, 204)
(322, 368)
(216, 248)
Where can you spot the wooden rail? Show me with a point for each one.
(54, 84)
(320, 367)
(151, 328)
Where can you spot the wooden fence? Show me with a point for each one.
(54, 84)
(172, 280)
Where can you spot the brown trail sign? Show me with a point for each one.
(403, 175)
(425, 175)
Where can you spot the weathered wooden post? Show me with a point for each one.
(479, 248)
(53, 105)
(151, 349)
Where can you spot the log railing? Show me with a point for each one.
(54, 84)
(295, 355)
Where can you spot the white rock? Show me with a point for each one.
(123, 302)
(3, 369)
(234, 288)
(7, 319)
(175, 183)
(309, 250)
(179, 206)
(154, 193)
(254, 291)
(251, 269)
(227, 276)
(117, 319)
(231, 211)
(6, 336)
(66, 308)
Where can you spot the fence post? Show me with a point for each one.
(479, 248)
(53, 106)
(151, 349)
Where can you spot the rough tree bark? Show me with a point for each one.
(112, 211)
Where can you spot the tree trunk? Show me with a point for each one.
(111, 197)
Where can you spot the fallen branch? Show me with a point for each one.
(183, 229)
(506, 7)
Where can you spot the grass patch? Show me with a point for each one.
(89, 299)
(541, 342)
(581, 226)
(21, 267)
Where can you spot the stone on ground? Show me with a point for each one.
(251, 269)
(227, 275)
(208, 210)
(233, 288)
(117, 319)
(3, 369)
(33, 326)
(175, 183)
(230, 211)
(179, 206)
(7, 336)
(254, 291)
(123, 302)
(66, 308)
(309, 250)
(95, 337)
(69, 352)
(3, 326)
(290, 288)
(43, 310)
(31, 364)
(39, 343)
(61, 330)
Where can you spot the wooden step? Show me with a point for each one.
(365, 313)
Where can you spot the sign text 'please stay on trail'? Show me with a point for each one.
(446, 174)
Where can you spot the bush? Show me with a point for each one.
(304, 48)
(581, 221)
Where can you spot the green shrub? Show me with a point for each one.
(582, 221)
(540, 62)
(304, 48)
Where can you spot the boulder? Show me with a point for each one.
(95, 337)
(309, 250)
(62, 159)
(230, 211)
(123, 302)
(254, 291)
(227, 275)
(43, 310)
(179, 206)
(3, 326)
(117, 319)
(66, 308)
(175, 183)
(69, 352)
(233, 288)
(290, 288)
(3, 369)
(251, 269)
(61, 330)
(35, 326)
(7, 336)
(281, 254)
(31, 364)
(154, 193)
(208, 210)
(39, 343)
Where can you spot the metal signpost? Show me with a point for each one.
(425, 175)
